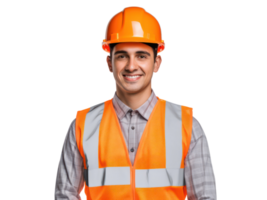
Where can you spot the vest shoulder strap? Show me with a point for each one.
(187, 120)
(79, 130)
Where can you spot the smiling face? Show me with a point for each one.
(133, 65)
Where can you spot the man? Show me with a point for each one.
(136, 145)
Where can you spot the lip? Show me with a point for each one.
(131, 79)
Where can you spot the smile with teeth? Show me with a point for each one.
(132, 76)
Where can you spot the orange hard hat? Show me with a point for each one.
(133, 24)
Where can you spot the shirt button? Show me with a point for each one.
(132, 127)
(132, 149)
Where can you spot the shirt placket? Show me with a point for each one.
(132, 135)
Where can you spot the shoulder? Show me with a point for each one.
(86, 110)
(72, 124)
(197, 131)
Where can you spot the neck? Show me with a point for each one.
(134, 100)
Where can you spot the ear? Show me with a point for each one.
(157, 63)
(109, 62)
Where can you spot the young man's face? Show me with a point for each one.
(133, 65)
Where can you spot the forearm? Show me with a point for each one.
(199, 176)
(69, 181)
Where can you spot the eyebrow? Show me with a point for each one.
(139, 52)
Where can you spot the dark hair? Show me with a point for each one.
(154, 46)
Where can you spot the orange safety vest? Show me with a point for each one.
(158, 169)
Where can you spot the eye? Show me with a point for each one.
(142, 56)
(121, 56)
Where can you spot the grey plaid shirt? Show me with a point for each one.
(199, 177)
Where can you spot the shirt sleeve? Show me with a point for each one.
(69, 181)
(199, 176)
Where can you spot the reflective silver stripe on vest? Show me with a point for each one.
(109, 176)
(146, 178)
(172, 175)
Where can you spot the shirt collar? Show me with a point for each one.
(144, 110)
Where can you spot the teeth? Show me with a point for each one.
(132, 76)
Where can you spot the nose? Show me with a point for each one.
(132, 65)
